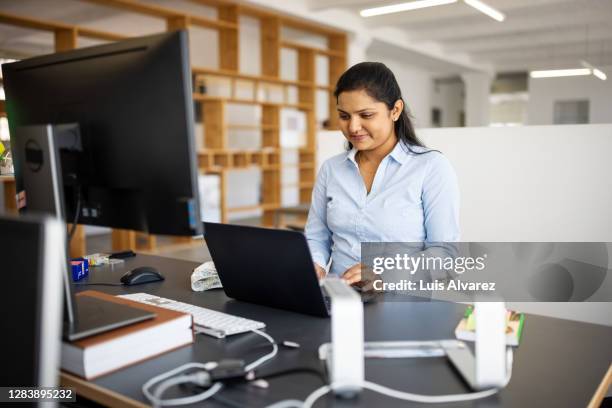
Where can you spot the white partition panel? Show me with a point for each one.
(534, 183)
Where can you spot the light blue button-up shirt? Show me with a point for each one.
(414, 198)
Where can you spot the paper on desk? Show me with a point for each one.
(205, 277)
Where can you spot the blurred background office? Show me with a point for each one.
(514, 92)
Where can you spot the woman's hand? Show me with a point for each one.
(359, 275)
(321, 272)
(353, 274)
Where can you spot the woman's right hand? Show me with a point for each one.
(321, 272)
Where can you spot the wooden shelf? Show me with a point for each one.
(218, 158)
(44, 25)
(238, 126)
(320, 51)
(250, 77)
(253, 207)
(162, 12)
(207, 98)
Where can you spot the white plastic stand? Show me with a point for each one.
(344, 358)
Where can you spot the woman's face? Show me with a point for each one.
(365, 122)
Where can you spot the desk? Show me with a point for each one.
(560, 363)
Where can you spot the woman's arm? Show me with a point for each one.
(440, 199)
(317, 231)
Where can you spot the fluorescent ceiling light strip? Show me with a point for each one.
(552, 73)
(486, 9)
(599, 74)
(396, 8)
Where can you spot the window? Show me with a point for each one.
(571, 112)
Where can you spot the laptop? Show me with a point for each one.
(269, 267)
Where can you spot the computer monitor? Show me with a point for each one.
(31, 254)
(104, 136)
(133, 103)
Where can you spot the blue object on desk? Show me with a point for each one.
(80, 268)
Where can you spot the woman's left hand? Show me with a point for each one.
(353, 274)
(359, 275)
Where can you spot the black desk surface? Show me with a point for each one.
(559, 363)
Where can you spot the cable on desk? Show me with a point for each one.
(167, 380)
(200, 378)
(97, 284)
(406, 396)
(265, 358)
(296, 370)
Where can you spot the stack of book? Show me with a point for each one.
(466, 329)
(103, 353)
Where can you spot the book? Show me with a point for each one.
(466, 329)
(106, 352)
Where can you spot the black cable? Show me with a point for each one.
(296, 370)
(76, 214)
(98, 283)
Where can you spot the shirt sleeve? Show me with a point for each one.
(317, 232)
(440, 199)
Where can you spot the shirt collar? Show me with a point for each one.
(350, 155)
(399, 153)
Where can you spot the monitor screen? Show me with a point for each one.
(133, 103)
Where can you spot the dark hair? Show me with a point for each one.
(379, 83)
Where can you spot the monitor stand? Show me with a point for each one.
(41, 172)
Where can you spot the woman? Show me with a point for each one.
(387, 188)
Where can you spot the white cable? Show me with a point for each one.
(190, 378)
(216, 387)
(166, 382)
(265, 358)
(407, 396)
(169, 383)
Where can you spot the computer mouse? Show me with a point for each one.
(142, 274)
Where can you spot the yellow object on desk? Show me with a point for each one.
(466, 329)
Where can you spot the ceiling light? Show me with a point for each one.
(595, 71)
(486, 9)
(553, 73)
(410, 5)
(599, 74)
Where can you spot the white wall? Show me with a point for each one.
(534, 183)
(544, 92)
(415, 83)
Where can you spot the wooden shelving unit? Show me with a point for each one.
(217, 157)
